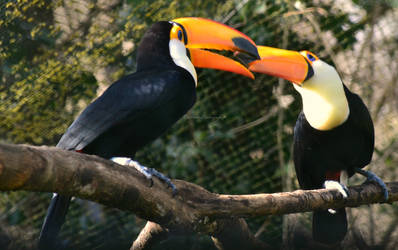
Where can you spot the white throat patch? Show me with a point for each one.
(324, 102)
(179, 55)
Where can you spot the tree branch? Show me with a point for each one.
(194, 209)
(151, 234)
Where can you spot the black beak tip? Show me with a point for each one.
(246, 46)
(244, 58)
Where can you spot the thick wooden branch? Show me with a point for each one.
(47, 169)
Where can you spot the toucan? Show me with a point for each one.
(333, 134)
(141, 106)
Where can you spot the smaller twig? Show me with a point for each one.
(230, 234)
(151, 234)
(255, 123)
(262, 227)
(319, 10)
(234, 234)
(234, 11)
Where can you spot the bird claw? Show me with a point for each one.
(153, 172)
(332, 211)
(336, 185)
(372, 177)
(147, 172)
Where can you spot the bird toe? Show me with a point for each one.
(336, 185)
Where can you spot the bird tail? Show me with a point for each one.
(52, 223)
(329, 228)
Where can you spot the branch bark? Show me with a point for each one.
(194, 209)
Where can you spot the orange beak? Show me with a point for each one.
(286, 64)
(207, 34)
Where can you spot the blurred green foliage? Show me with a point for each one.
(56, 56)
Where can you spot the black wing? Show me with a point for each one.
(128, 97)
(299, 148)
(362, 122)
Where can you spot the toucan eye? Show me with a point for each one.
(311, 57)
(179, 35)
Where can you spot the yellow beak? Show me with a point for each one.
(207, 34)
(286, 64)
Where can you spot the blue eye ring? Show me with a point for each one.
(179, 34)
(311, 57)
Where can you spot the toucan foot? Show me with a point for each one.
(147, 172)
(372, 177)
(336, 185)
(153, 172)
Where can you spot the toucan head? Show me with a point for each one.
(324, 101)
(187, 42)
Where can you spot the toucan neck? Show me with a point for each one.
(153, 50)
(325, 104)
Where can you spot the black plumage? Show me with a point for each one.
(137, 108)
(132, 112)
(318, 154)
